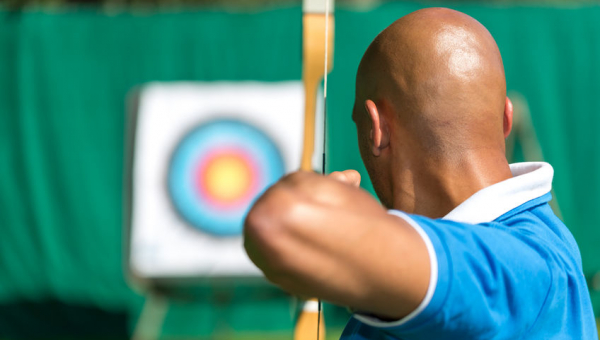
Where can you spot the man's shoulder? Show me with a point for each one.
(534, 222)
(537, 223)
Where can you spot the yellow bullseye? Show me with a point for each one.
(227, 178)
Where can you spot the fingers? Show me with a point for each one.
(350, 177)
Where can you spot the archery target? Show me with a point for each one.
(201, 154)
(216, 172)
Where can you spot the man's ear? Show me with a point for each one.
(508, 117)
(379, 135)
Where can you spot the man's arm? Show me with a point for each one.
(323, 237)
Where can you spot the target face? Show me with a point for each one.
(201, 154)
(216, 172)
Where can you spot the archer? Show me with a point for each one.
(463, 245)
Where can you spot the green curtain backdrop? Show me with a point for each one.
(65, 75)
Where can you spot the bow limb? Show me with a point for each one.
(317, 61)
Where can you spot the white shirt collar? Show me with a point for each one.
(530, 180)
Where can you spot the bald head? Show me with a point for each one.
(431, 111)
(441, 73)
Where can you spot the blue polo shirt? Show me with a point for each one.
(503, 266)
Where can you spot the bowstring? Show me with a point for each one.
(327, 9)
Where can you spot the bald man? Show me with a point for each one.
(465, 245)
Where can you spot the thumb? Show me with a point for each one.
(350, 177)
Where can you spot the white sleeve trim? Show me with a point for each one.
(375, 322)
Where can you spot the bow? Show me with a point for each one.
(317, 57)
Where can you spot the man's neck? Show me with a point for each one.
(433, 189)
